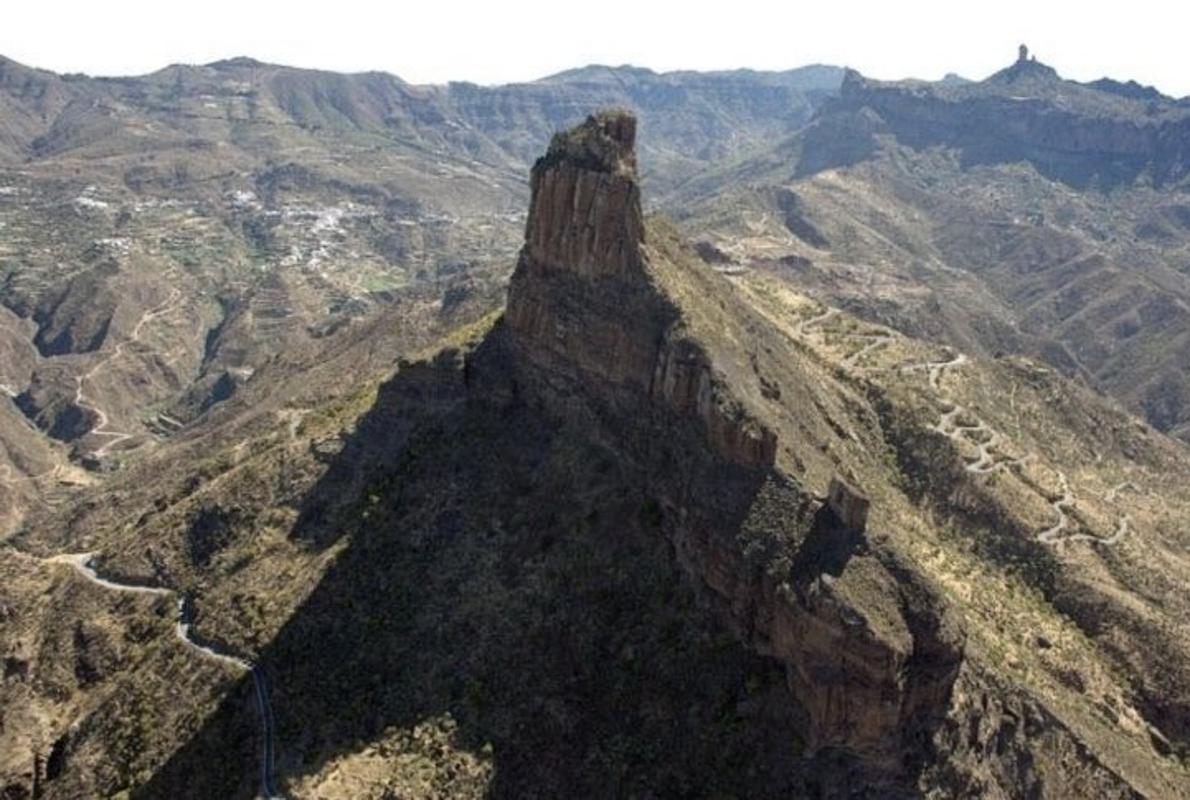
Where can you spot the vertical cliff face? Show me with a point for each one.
(585, 214)
(610, 328)
(580, 292)
(583, 302)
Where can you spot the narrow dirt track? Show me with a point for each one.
(806, 324)
(965, 428)
(1123, 525)
(984, 439)
(82, 400)
(1053, 533)
(875, 341)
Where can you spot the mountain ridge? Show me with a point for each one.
(825, 72)
(816, 495)
(1017, 194)
(284, 204)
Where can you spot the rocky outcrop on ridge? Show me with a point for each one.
(600, 326)
(1081, 135)
(587, 549)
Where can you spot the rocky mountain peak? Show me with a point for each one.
(605, 142)
(1026, 68)
(1097, 135)
(585, 213)
(591, 302)
(639, 346)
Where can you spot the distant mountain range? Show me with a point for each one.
(697, 117)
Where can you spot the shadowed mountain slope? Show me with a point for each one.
(585, 549)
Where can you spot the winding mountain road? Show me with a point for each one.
(84, 565)
(757, 241)
(978, 434)
(100, 428)
(806, 324)
(874, 342)
(964, 427)
(1053, 533)
(1122, 525)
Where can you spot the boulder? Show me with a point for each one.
(848, 504)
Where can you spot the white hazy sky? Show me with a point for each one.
(496, 42)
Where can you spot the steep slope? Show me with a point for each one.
(598, 313)
(29, 100)
(212, 496)
(586, 549)
(619, 328)
(1023, 213)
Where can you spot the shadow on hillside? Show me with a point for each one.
(508, 573)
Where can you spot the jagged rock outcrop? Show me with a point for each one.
(585, 216)
(585, 225)
(848, 504)
(604, 325)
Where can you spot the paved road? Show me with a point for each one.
(84, 564)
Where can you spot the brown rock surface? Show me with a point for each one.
(585, 214)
